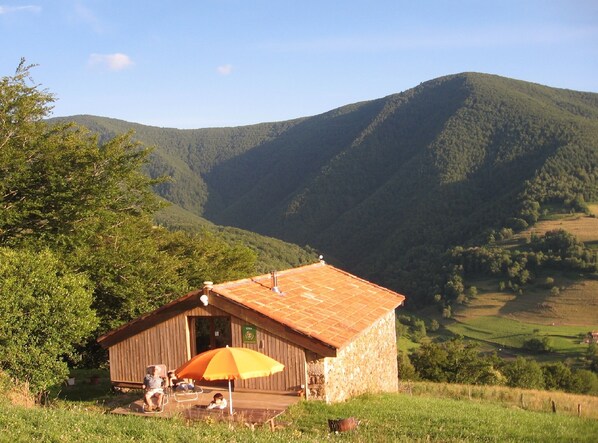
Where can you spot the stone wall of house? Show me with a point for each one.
(316, 380)
(367, 364)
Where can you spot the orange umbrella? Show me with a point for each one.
(229, 364)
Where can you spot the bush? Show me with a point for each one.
(406, 368)
(523, 373)
(44, 311)
(538, 344)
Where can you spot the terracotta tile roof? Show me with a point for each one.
(318, 300)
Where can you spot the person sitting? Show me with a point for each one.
(152, 385)
(219, 402)
(178, 384)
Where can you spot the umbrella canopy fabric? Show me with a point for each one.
(229, 364)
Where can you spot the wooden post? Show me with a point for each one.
(522, 401)
(553, 406)
(579, 409)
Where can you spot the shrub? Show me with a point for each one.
(44, 311)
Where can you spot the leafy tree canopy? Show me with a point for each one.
(82, 207)
(44, 311)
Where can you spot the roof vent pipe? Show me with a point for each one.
(275, 282)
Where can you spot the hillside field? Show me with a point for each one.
(584, 227)
(506, 320)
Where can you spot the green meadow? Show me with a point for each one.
(505, 332)
(505, 320)
(383, 418)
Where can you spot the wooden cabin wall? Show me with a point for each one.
(169, 343)
(290, 355)
(165, 343)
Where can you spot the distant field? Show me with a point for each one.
(583, 227)
(505, 320)
(509, 333)
(576, 304)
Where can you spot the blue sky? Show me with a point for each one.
(206, 63)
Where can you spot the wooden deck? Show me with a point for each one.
(248, 407)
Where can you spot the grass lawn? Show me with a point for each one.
(383, 418)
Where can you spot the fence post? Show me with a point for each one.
(553, 406)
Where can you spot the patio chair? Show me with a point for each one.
(183, 390)
(161, 372)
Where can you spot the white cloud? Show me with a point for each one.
(114, 62)
(28, 8)
(225, 69)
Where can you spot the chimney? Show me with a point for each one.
(275, 283)
(207, 287)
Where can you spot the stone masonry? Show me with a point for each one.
(367, 364)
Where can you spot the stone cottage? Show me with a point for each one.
(334, 332)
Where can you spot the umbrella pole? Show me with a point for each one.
(230, 398)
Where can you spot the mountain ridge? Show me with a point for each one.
(380, 185)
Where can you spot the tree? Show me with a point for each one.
(418, 330)
(22, 107)
(523, 373)
(592, 357)
(430, 361)
(455, 361)
(584, 382)
(557, 376)
(434, 325)
(44, 311)
(205, 256)
(406, 368)
(90, 204)
(58, 185)
(537, 344)
(131, 272)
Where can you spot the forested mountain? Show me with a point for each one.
(384, 187)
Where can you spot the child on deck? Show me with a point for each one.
(219, 402)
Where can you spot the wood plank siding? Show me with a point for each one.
(290, 355)
(165, 343)
(169, 343)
